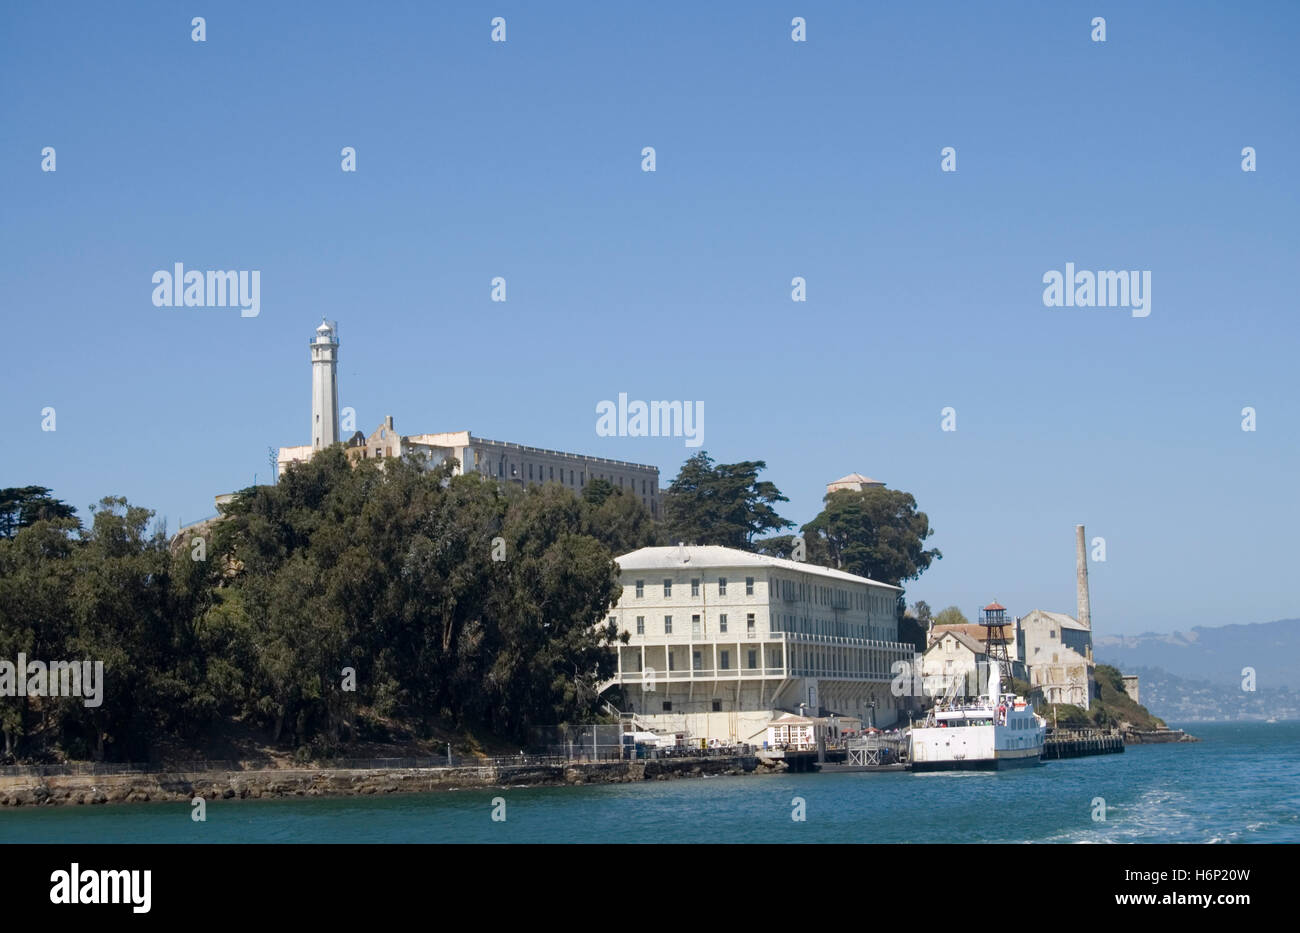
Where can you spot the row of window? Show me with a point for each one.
(780, 623)
(695, 587)
(716, 706)
(794, 591)
(724, 660)
(698, 626)
(546, 473)
(806, 625)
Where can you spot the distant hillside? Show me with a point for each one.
(1176, 699)
(1216, 655)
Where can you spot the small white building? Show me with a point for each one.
(951, 657)
(853, 482)
(801, 733)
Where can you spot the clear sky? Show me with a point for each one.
(775, 159)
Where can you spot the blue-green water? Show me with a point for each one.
(1241, 783)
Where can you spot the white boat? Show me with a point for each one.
(991, 733)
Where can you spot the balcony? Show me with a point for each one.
(708, 673)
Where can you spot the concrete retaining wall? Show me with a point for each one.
(238, 785)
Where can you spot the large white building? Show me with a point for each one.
(505, 461)
(723, 641)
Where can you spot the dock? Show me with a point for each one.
(866, 754)
(1080, 743)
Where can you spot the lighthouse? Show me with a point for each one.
(324, 387)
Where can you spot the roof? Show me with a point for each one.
(1060, 618)
(707, 556)
(961, 637)
(790, 719)
(976, 631)
(857, 478)
(995, 607)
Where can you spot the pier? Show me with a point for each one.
(1079, 743)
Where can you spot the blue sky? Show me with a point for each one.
(775, 159)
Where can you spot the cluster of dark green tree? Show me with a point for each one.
(349, 595)
(440, 599)
(876, 532)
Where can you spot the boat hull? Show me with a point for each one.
(1001, 763)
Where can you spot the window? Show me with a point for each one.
(582, 478)
(668, 628)
(640, 625)
(697, 661)
(753, 659)
(749, 586)
(530, 471)
(695, 626)
(695, 587)
(717, 706)
(724, 660)
(722, 623)
(668, 706)
(749, 623)
(668, 588)
(570, 477)
(722, 586)
(640, 588)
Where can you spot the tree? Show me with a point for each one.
(724, 505)
(597, 491)
(921, 610)
(951, 616)
(620, 522)
(776, 546)
(876, 533)
(23, 506)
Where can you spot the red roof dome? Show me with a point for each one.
(994, 607)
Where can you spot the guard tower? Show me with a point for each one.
(994, 619)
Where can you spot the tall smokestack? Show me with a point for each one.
(1081, 572)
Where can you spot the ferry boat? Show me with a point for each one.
(994, 732)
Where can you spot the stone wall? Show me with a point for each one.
(238, 785)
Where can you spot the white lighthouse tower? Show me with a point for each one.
(324, 387)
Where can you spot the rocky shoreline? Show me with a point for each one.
(141, 787)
